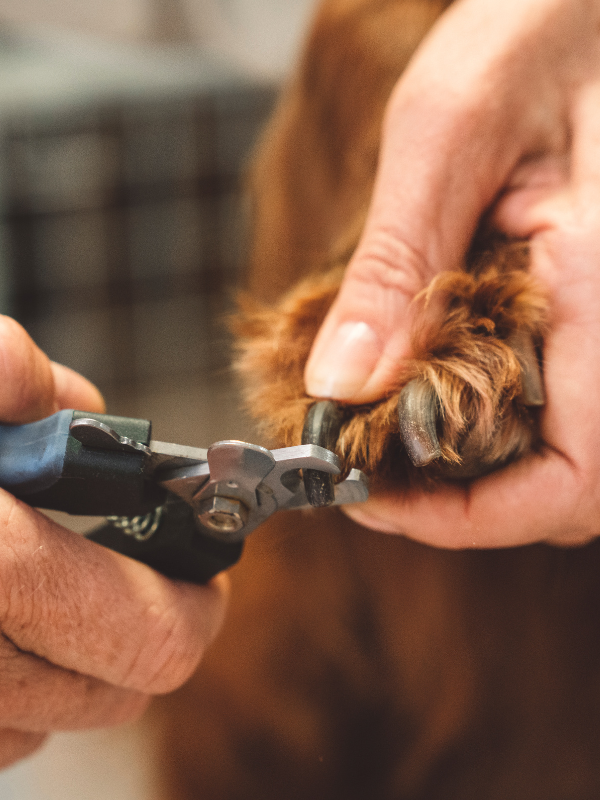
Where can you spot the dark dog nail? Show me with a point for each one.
(532, 383)
(321, 427)
(417, 415)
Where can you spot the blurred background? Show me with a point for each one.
(125, 130)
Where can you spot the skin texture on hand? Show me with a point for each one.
(86, 635)
(498, 112)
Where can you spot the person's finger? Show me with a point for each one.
(38, 696)
(492, 512)
(26, 377)
(86, 608)
(15, 745)
(31, 386)
(459, 121)
(72, 390)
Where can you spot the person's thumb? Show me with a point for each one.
(366, 334)
(421, 220)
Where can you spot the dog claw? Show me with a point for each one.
(532, 383)
(417, 415)
(321, 427)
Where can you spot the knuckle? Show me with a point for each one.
(177, 635)
(392, 263)
(168, 657)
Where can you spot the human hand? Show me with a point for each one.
(86, 635)
(498, 109)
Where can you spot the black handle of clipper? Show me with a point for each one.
(169, 541)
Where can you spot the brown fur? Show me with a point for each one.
(460, 347)
(355, 665)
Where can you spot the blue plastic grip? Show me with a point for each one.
(32, 456)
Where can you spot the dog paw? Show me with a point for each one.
(465, 404)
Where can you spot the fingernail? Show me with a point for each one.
(341, 366)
